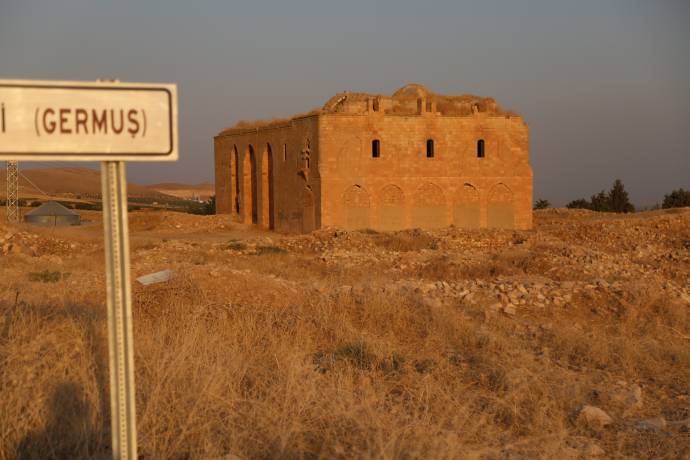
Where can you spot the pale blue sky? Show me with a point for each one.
(603, 84)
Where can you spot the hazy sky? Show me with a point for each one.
(604, 85)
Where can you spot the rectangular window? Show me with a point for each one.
(284, 152)
(480, 148)
(430, 148)
(375, 148)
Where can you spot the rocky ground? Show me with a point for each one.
(572, 339)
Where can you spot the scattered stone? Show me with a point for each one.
(594, 417)
(498, 306)
(593, 450)
(509, 310)
(652, 424)
(629, 398)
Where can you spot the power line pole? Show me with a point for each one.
(12, 192)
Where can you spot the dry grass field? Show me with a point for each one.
(568, 341)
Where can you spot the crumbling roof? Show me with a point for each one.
(403, 102)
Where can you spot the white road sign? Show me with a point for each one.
(111, 122)
(87, 121)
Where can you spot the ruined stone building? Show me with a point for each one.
(414, 159)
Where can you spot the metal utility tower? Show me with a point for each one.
(12, 192)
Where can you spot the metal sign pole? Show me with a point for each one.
(120, 340)
(12, 196)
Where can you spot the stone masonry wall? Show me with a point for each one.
(318, 170)
(403, 188)
(268, 176)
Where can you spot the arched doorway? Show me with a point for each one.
(429, 209)
(466, 210)
(267, 206)
(249, 185)
(392, 208)
(500, 208)
(356, 207)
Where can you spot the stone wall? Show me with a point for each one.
(318, 170)
(269, 176)
(404, 188)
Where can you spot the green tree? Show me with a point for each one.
(205, 208)
(600, 202)
(542, 204)
(210, 205)
(618, 200)
(676, 199)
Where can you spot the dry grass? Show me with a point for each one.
(260, 364)
(404, 241)
(509, 263)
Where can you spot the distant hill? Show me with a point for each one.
(199, 191)
(67, 182)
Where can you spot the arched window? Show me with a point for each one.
(375, 148)
(480, 148)
(429, 148)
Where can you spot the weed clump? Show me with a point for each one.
(46, 276)
(392, 364)
(236, 246)
(356, 354)
(261, 250)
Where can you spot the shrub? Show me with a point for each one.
(260, 250)
(542, 204)
(579, 204)
(206, 208)
(46, 276)
(236, 246)
(356, 354)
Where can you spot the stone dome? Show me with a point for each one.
(413, 90)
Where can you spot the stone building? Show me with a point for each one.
(414, 159)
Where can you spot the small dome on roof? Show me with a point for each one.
(412, 90)
(404, 101)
